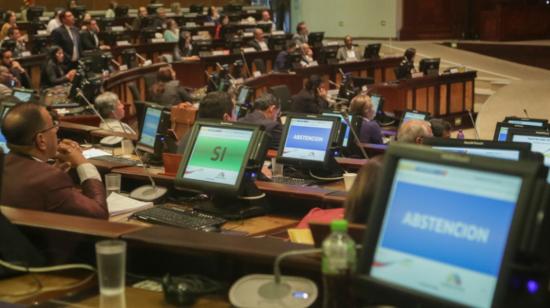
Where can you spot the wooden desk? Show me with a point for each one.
(448, 96)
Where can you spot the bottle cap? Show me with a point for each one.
(339, 225)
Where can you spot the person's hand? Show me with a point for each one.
(64, 166)
(70, 75)
(69, 151)
(16, 65)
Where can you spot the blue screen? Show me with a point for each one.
(150, 127)
(375, 103)
(413, 116)
(307, 139)
(445, 231)
(503, 134)
(3, 142)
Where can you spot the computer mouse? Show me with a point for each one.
(111, 141)
(211, 228)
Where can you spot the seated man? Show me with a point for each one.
(112, 110)
(89, 37)
(348, 52)
(259, 42)
(302, 34)
(14, 34)
(266, 18)
(266, 112)
(312, 98)
(215, 105)
(406, 67)
(167, 90)
(31, 134)
(15, 68)
(6, 81)
(282, 63)
(414, 131)
(370, 132)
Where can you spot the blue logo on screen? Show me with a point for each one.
(464, 230)
(309, 138)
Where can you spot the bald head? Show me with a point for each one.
(22, 122)
(259, 34)
(413, 131)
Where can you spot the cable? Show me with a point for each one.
(258, 197)
(46, 269)
(325, 179)
(277, 267)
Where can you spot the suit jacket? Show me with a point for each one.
(342, 54)
(88, 41)
(299, 39)
(173, 94)
(52, 74)
(273, 128)
(60, 36)
(37, 185)
(254, 44)
(305, 102)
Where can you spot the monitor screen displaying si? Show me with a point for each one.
(218, 155)
(150, 127)
(449, 246)
(538, 143)
(307, 139)
(345, 140)
(487, 152)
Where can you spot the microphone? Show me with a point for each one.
(143, 193)
(525, 112)
(246, 68)
(473, 123)
(334, 84)
(355, 135)
(144, 61)
(275, 288)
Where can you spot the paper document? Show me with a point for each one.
(119, 204)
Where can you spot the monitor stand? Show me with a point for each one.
(251, 203)
(151, 159)
(331, 172)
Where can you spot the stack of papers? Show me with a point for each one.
(119, 204)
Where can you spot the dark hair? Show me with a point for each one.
(265, 101)
(8, 15)
(11, 31)
(164, 75)
(299, 26)
(52, 51)
(439, 126)
(290, 44)
(410, 53)
(361, 194)
(22, 123)
(210, 11)
(3, 50)
(313, 83)
(169, 23)
(63, 14)
(214, 105)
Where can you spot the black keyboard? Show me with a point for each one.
(116, 160)
(291, 181)
(177, 217)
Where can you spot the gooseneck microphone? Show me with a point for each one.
(145, 192)
(355, 135)
(473, 123)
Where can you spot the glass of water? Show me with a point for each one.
(112, 183)
(111, 266)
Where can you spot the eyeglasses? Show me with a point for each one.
(54, 126)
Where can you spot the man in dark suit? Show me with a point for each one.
(68, 38)
(266, 112)
(89, 36)
(259, 42)
(168, 90)
(312, 98)
(31, 134)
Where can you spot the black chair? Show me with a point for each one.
(260, 65)
(283, 94)
(135, 92)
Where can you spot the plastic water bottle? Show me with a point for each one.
(338, 264)
(460, 134)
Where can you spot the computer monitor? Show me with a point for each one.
(539, 140)
(345, 137)
(39, 44)
(306, 143)
(329, 55)
(443, 228)
(129, 57)
(34, 13)
(23, 95)
(277, 42)
(148, 140)
(243, 98)
(414, 115)
(78, 11)
(315, 39)
(540, 123)
(4, 108)
(372, 51)
(377, 103)
(121, 10)
(429, 67)
(502, 128)
(222, 159)
(494, 149)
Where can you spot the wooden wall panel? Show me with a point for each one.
(443, 99)
(422, 99)
(432, 19)
(457, 94)
(104, 4)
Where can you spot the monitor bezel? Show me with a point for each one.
(527, 132)
(23, 90)
(500, 125)
(523, 148)
(145, 147)
(355, 122)
(248, 95)
(404, 113)
(527, 170)
(533, 120)
(308, 163)
(380, 103)
(217, 188)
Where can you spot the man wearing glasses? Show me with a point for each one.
(31, 182)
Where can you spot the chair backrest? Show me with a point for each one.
(260, 65)
(283, 94)
(135, 91)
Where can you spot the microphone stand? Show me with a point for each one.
(473, 123)
(355, 136)
(247, 69)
